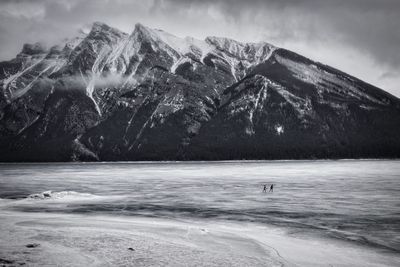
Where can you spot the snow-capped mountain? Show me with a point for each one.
(149, 95)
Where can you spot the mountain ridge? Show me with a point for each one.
(149, 95)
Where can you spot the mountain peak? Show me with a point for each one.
(33, 49)
(229, 44)
(102, 28)
(142, 32)
(97, 26)
(140, 27)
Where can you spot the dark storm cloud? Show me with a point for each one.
(358, 36)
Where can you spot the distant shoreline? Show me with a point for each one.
(197, 161)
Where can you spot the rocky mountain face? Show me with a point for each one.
(108, 95)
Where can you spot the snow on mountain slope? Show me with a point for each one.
(311, 73)
(107, 50)
(181, 46)
(36, 62)
(34, 68)
(182, 50)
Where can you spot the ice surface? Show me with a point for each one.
(90, 241)
(320, 213)
(79, 240)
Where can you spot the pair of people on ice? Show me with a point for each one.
(271, 188)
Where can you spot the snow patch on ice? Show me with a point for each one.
(66, 195)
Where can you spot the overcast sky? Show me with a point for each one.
(360, 37)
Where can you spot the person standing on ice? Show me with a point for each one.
(265, 188)
(271, 188)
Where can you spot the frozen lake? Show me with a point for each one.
(352, 201)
